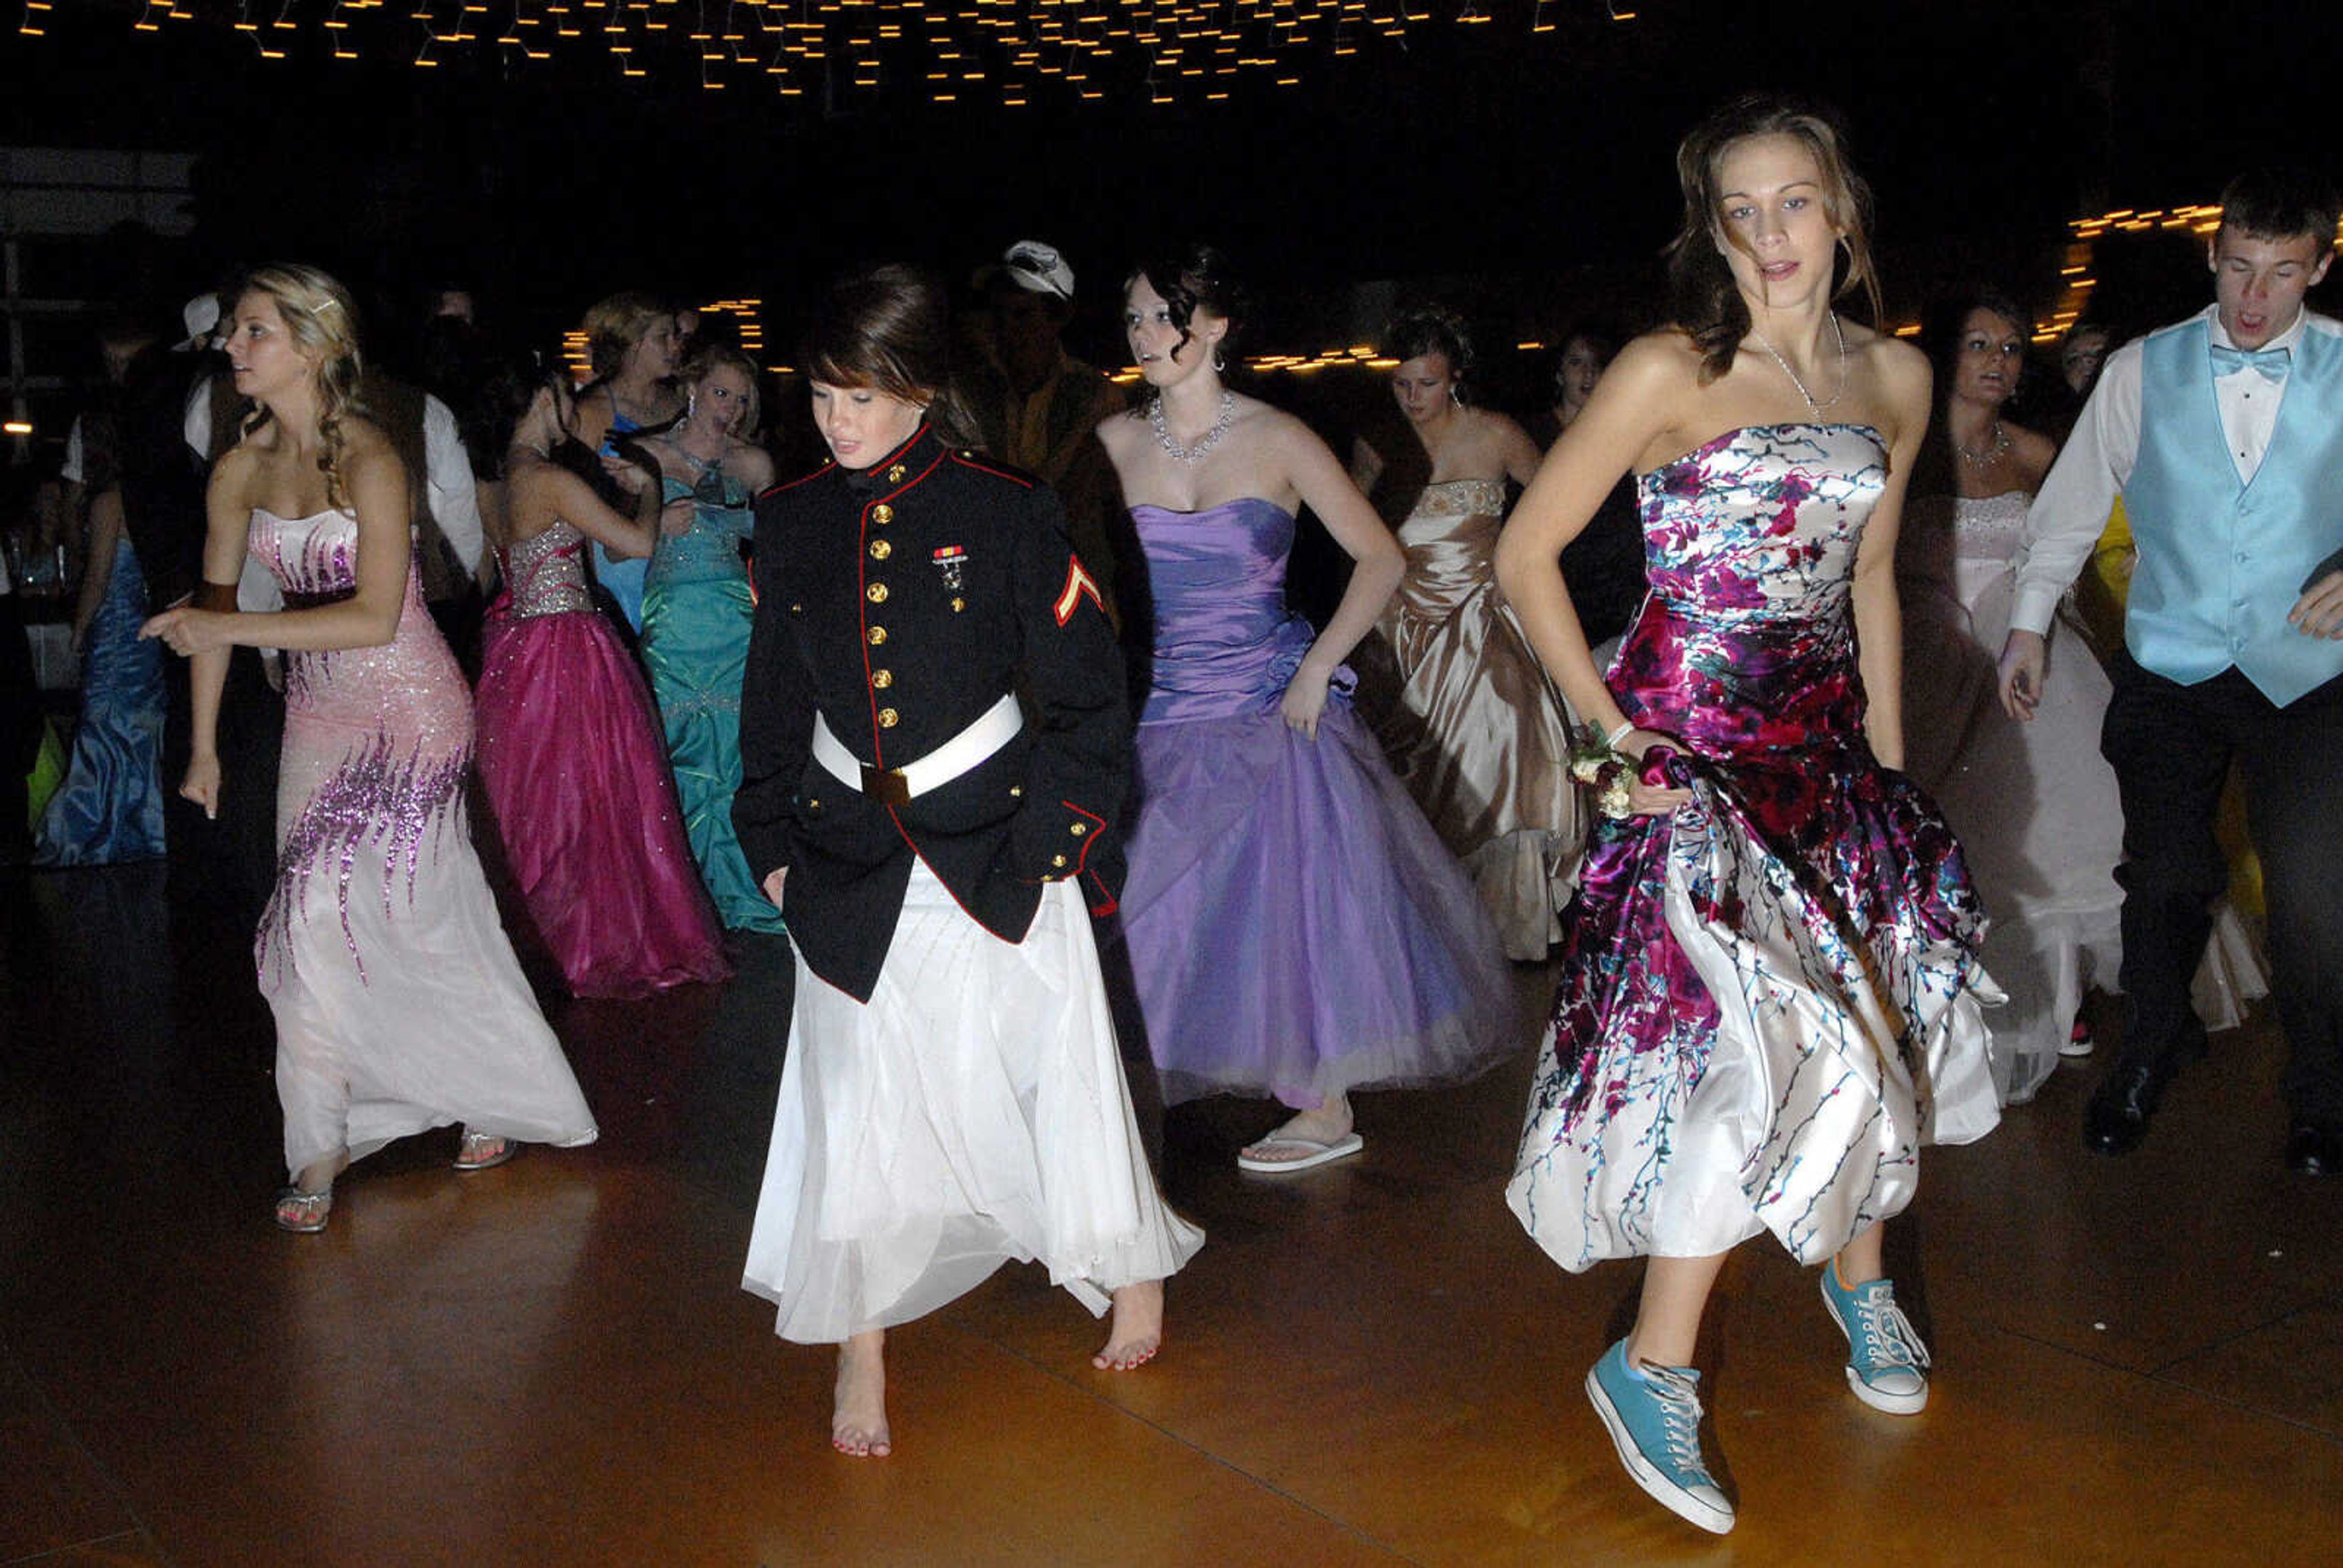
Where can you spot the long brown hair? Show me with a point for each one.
(887, 328)
(321, 318)
(1704, 298)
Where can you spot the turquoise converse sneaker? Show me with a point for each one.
(1653, 1415)
(1887, 1364)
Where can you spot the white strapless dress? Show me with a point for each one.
(2035, 804)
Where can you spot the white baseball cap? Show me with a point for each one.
(201, 316)
(1038, 268)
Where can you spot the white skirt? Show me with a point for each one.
(973, 1112)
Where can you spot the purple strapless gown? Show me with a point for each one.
(575, 767)
(1295, 925)
(1769, 996)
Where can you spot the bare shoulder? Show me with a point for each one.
(1267, 423)
(1497, 430)
(1902, 370)
(1119, 432)
(752, 463)
(367, 452)
(1658, 372)
(2035, 451)
(234, 474)
(1899, 376)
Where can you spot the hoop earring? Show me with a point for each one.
(1219, 363)
(1455, 399)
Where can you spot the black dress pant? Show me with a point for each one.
(2171, 747)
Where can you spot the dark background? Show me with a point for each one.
(1530, 174)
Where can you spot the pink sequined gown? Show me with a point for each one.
(575, 766)
(398, 1004)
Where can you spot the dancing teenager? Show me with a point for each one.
(1478, 731)
(2035, 805)
(572, 760)
(2223, 434)
(1768, 998)
(953, 1097)
(1296, 927)
(398, 1004)
(633, 345)
(109, 808)
(698, 611)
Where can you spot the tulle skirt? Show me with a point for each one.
(575, 770)
(1296, 927)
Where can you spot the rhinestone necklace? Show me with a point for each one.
(2000, 444)
(1204, 443)
(1837, 332)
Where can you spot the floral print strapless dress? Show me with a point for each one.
(1770, 997)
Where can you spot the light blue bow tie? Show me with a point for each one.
(2271, 362)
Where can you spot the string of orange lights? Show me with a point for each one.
(951, 51)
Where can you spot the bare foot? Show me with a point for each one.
(1306, 1135)
(858, 1421)
(1137, 1333)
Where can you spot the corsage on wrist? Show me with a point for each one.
(1598, 764)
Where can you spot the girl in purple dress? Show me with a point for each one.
(1769, 991)
(1296, 927)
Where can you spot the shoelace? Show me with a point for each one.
(1894, 1342)
(1679, 1417)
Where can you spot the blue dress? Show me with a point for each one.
(622, 579)
(110, 807)
(696, 614)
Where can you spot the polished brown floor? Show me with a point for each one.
(2137, 1361)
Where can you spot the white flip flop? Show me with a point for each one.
(1343, 1147)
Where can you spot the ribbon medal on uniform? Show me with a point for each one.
(952, 561)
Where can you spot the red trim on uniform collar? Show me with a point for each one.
(777, 487)
(872, 476)
(971, 460)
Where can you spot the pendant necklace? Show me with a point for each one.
(1837, 332)
(1204, 443)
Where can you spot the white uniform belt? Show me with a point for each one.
(995, 728)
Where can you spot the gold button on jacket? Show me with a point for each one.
(876, 593)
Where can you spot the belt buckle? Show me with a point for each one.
(885, 786)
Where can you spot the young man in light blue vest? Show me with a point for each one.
(2224, 435)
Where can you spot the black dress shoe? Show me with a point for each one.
(2118, 1116)
(2314, 1150)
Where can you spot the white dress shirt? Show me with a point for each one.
(2071, 511)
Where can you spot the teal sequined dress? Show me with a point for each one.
(697, 612)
